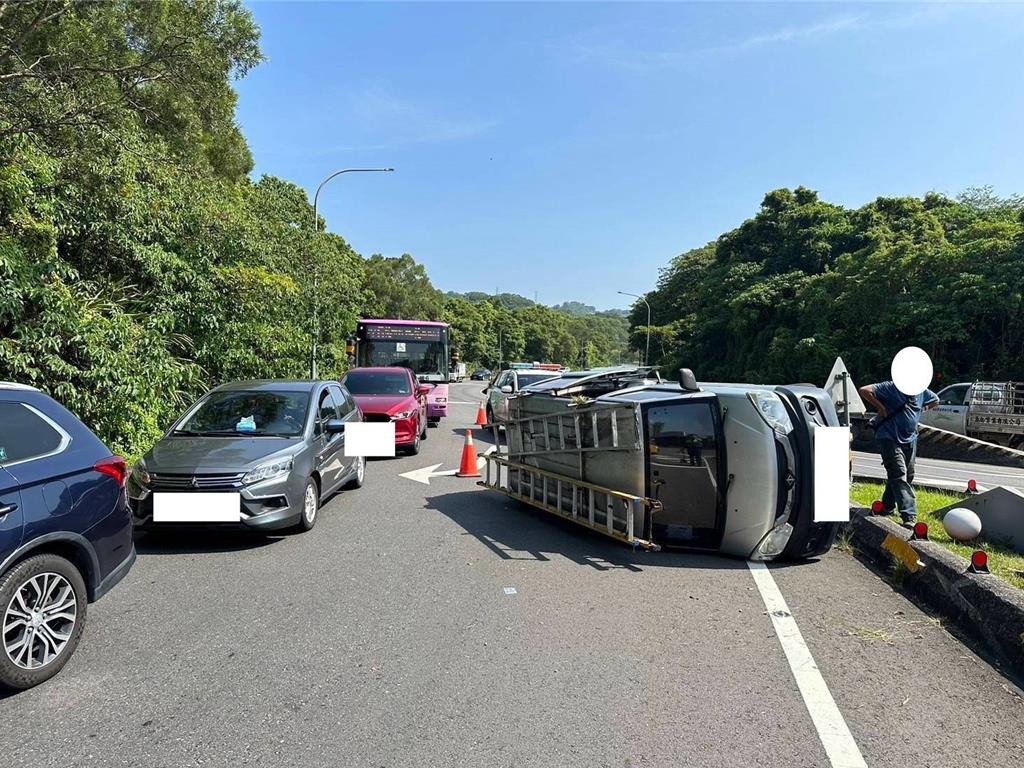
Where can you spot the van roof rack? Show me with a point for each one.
(595, 381)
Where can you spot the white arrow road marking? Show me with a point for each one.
(424, 474)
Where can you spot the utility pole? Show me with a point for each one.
(316, 274)
(647, 350)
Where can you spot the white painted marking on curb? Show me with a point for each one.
(510, 590)
(832, 730)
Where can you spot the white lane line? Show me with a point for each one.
(461, 402)
(832, 730)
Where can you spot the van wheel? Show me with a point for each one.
(43, 600)
(310, 506)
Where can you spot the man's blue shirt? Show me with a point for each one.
(904, 412)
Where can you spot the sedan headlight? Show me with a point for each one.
(267, 471)
(402, 415)
(141, 474)
(772, 410)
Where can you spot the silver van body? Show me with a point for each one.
(651, 462)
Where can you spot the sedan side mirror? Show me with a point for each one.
(335, 426)
(422, 389)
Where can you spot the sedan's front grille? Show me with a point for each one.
(168, 482)
(376, 417)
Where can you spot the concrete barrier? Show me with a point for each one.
(982, 606)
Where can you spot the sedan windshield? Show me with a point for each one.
(377, 383)
(277, 414)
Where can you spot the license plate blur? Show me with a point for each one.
(197, 507)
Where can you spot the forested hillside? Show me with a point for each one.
(140, 264)
(777, 298)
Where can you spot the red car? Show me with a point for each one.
(392, 394)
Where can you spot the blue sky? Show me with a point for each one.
(570, 150)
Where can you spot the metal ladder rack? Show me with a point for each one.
(573, 500)
(578, 431)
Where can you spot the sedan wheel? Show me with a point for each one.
(44, 614)
(415, 447)
(357, 479)
(310, 505)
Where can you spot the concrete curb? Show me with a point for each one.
(981, 606)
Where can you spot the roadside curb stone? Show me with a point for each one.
(981, 606)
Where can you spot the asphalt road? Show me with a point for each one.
(940, 473)
(385, 637)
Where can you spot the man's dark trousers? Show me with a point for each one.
(898, 460)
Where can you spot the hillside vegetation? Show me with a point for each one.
(140, 264)
(780, 296)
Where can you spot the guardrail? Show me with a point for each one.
(935, 443)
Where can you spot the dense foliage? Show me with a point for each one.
(139, 264)
(779, 297)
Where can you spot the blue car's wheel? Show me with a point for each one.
(43, 600)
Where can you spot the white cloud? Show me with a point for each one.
(596, 45)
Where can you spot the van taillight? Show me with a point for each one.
(115, 466)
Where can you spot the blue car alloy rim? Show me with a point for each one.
(40, 620)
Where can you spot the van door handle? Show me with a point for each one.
(5, 511)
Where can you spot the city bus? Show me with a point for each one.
(422, 346)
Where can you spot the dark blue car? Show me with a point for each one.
(65, 532)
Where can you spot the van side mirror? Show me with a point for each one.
(334, 426)
(687, 380)
(507, 389)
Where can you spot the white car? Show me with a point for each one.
(508, 383)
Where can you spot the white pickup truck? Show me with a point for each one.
(988, 410)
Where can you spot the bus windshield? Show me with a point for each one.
(418, 356)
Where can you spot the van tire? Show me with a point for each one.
(17, 677)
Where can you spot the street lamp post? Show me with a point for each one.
(647, 350)
(316, 275)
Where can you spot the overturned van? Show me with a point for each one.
(718, 467)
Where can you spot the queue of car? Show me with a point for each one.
(259, 455)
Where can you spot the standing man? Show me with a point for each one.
(896, 434)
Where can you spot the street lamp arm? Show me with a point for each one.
(316, 277)
(316, 196)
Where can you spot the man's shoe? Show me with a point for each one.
(908, 524)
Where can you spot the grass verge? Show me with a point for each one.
(1002, 561)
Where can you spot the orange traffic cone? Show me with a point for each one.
(468, 466)
(481, 416)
